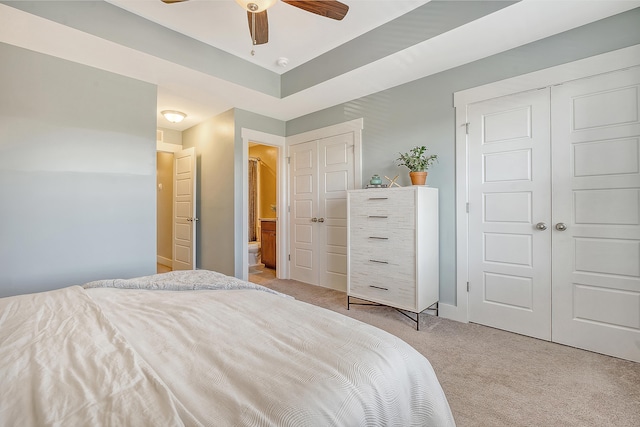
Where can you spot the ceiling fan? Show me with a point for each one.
(257, 13)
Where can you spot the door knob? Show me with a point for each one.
(561, 226)
(541, 226)
(320, 219)
(314, 219)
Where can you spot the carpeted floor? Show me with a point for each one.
(497, 378)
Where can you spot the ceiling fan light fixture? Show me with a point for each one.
(256, 6)
(173, 116)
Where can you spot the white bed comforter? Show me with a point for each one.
(229, 357)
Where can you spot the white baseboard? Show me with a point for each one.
(452, 312)
(167, 262)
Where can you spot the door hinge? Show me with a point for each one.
(467, 207)
(288, 160)
(289, 257)
(467, 286)
(466, 128)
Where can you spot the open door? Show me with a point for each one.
(184, 210)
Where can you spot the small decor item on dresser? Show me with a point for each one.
(418, 162)
(375, 180)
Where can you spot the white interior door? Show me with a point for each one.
(184, 210)
(336, 176)
(304, 208)
(322, 171)
(596, 213)
(510, 214)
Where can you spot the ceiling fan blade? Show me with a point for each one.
(330, 8)
(172, 1)
(261, 33)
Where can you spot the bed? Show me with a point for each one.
(201, 348)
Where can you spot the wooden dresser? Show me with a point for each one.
(393, 247)
(268, 243)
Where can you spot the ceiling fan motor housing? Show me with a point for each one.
(256, 6)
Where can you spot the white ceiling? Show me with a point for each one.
(294, 34)
(299, 36)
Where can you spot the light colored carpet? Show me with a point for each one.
(497, 378)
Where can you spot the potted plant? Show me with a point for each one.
(418, 161)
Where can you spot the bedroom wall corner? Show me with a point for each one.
(213, 140)
(77, 174)
(256, 122)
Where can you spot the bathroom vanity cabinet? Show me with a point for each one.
(393, 247)
(268, 242)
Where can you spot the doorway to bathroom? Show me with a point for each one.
(262, 211)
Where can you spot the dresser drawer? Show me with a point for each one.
(394, 251)
(382, 209)
(387, 238)
(382, 284)
(386, 265)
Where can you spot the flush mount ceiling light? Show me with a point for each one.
(173, 116)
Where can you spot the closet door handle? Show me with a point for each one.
(320, 219)
(561, 226)
(314, 219)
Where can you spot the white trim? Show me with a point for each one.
(599, 64)
(282, 236)
(168, 148)
(167, 262)
(340, 128)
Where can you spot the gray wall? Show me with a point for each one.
(77, 174)
(220, 204)
(422, 113)
(257, 122)
(214, 143)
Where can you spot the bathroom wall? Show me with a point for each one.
(267, 178)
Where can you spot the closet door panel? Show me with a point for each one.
(510, 213)
(596, 213)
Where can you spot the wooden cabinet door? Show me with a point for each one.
(268, 238)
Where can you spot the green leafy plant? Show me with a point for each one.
(417, 159)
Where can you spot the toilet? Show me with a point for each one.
(254, 254)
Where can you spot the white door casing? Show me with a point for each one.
(596, 213)
(510, 213)
(184, 210)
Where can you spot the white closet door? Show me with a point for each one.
(596, 196)
(336, 176)
(321, 173)
(304, 208)
(509, 208)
